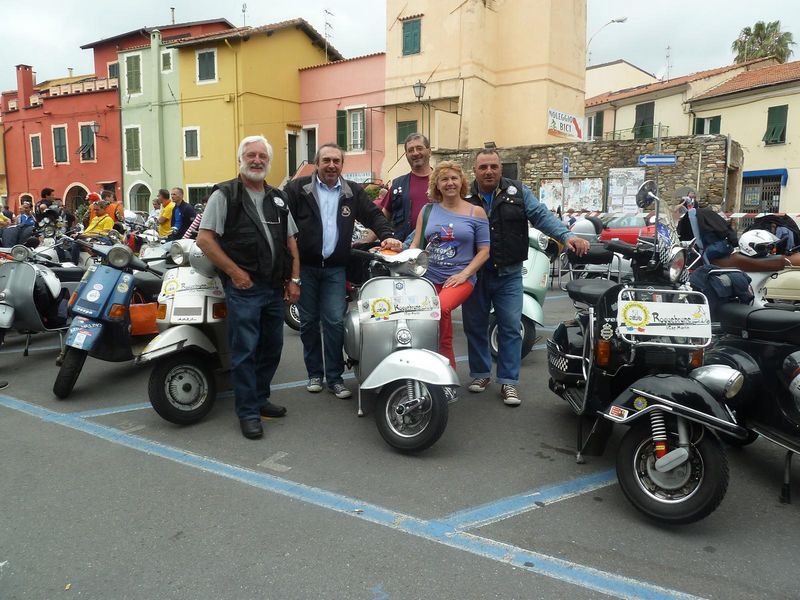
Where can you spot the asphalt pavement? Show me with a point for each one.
(101, 498)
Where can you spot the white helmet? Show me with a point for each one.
(585, 229)
(757, 243)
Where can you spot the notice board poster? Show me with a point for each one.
(582, 193)
(622, 187)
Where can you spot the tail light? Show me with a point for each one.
(219, 310)
(602, 352)
(73, 299)
(117, 311)
(697, 359)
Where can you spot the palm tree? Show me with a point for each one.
(764, 39)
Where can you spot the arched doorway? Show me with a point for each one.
(139, 197)
(75, 198)
(23, 198)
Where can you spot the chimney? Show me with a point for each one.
(69, 70)
(24, 85)
(172, 10)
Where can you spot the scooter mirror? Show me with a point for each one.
(646, 194)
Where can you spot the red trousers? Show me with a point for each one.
(450, 298)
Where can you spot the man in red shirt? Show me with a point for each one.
(409, 192)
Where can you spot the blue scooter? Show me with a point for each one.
(101, 326)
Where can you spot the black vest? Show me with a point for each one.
(401, 206)
(244, 241)
(508, 223)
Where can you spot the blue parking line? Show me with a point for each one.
(515, 505)
(102, 412)
(435, 531)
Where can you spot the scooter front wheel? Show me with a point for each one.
(685, 494)
(182, 389)
(527, 330)
(69, 371)
(411, 424)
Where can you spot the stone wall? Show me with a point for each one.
(593, 159)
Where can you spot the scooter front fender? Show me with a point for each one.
(175, 339)
(414, 363)
(674, 394)
(532, 309)
(83, 333)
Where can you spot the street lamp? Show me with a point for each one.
(96, 130)
(419, 89)
(615, 20)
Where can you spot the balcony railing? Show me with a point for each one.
(642, 132)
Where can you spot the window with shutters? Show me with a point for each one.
(133, 74)
(166, 61)
(707, 125)
(776, 125)
(411, 36)
(36, 151)
(87, 148)
(404, 129)
(191, 143)
(595, 126)
(643, 127)
(113, 70)
(60, 144)
(198, 193)
(207, 65)
(351, 133)
(133, 150)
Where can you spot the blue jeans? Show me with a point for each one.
(322, 299)
(504, 292)
(255, 337)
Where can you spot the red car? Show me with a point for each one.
(627, 228)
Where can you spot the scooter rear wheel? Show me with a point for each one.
(69, 372)
(291, 315)
(527, 329)
(415, 429)
(687, 493)
(182, 388)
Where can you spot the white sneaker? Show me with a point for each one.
(314, 384)
(341, 392)
(510, 395)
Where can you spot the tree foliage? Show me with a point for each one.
(762, 40)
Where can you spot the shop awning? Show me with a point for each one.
(784, 174)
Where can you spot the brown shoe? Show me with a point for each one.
(479, 384)
(510, 395)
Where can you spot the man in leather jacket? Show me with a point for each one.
(248, 233)
(510, 206)
(325, 207)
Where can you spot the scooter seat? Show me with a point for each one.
(588, 291)
(598, 254)
(68, 273)
(148, 284)
(766, 324)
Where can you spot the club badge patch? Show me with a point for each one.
(345, 211)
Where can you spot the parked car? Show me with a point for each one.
(627, 228)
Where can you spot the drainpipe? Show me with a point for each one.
(155, 60)
(236, 124)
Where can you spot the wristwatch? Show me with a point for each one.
(295, 280)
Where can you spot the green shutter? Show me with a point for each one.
(132, 156)
(205, 66)
(598, 126)
(411, 37)
(715, 123)
(36, 152)
(404, 129)
(133, 74)
(60, 144)
(190, 136)
(776, 124)
(341, 128)
(699, 125)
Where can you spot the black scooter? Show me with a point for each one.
(633, 356)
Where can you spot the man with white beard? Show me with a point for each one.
(248, 233)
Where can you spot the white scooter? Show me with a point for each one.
(391, 338)
(192, 343)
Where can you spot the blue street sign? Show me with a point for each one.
(565, 166)
(657, 159)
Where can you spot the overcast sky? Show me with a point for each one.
(47, 34)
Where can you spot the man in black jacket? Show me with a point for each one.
(325, 206)
(248, 233)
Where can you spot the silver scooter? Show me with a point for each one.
(34, 292)
(391, 340)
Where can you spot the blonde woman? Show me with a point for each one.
(456, 237)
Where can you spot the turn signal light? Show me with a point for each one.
(602, 352)
(697, 359)
(73, 299)
(219, 310)
(117, 311)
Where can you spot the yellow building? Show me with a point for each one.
(491, 69)
(238, 83)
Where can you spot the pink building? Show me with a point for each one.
(343, 102)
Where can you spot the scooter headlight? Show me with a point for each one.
(719, 379)
(677, 264)
(120, 256)
(21, 252)
(419, 265)
(543, 241)
(179, 252)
